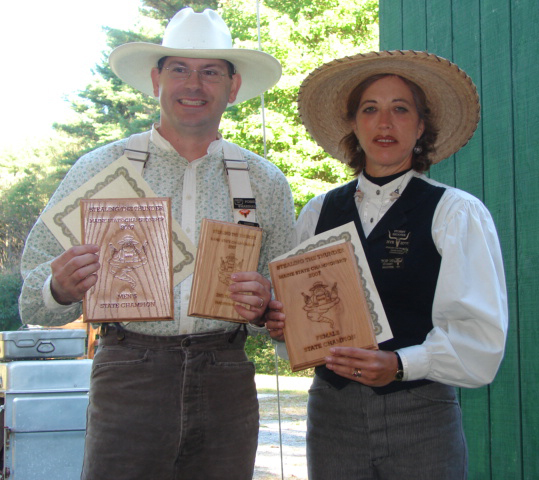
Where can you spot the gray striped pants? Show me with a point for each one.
(355, 434)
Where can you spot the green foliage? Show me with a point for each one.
(165, 10)
(10, 288)
(28, 179)
(301, 34)
(261, 352)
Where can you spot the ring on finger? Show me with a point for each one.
(357, 372)
(261, 302)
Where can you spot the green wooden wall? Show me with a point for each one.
(496, 43)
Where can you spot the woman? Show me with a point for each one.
(434, 256)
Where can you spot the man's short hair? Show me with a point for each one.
(230, 65)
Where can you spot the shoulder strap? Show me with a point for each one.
(137, 150)
(236, 167)
(239, 184)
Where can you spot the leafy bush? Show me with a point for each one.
(260, 350)
(10, 289)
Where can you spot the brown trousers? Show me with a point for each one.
(170, 408)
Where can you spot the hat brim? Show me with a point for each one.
(133, 62)
(450, 92)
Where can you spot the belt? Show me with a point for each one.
(114, 333)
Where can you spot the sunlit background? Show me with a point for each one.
(48, 50)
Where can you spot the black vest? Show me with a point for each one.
(403, 261)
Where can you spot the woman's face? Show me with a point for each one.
(387, 126)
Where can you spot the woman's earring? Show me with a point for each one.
(358, 148)
(418, 149)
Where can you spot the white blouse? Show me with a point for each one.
(469, 312)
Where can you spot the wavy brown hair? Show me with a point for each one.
(353, 151)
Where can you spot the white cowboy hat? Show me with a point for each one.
(196, 35)
(451, 96)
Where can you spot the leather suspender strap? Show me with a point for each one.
(236, 167)
(137, 150)
(239, 184)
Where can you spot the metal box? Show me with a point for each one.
(42, 343)
(44, 418)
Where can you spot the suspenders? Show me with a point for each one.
(239, 184)
(137, 150)
(236, 167)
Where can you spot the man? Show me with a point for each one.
(173, 399)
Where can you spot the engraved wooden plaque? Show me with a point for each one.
(135, 279)
(324, 303)
(223, 248)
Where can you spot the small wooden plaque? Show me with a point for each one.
(324, 303)
(135, 279)
(223, 248)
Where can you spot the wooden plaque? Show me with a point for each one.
(223, 248)
(324, 303)
(135, 279)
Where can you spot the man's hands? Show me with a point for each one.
(275, 320)
(252, 289)
(74, 273)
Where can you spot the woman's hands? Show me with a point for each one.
(375, 368)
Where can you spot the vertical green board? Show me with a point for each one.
(498, 128)
(525, 95)
(468, 174)
(495, 41)
(414, 25)
(390, 19)
(439, 33)
(466, 169)
(467, 55)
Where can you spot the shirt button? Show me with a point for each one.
(187, 230)
(372, 220)
(377, 192)
(188, 197)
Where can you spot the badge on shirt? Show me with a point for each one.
(397, 246)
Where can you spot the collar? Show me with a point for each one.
(371, 190)
(160, 142)
(387, 179)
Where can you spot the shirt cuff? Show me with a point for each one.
(256, 328)
(415, 362)
(280, 348)
(51, 303)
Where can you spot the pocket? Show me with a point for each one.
(118, 356)
(230, 374)
(319, 385)
(231, 358)
(435, 393)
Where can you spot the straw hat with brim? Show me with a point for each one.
(196, 35)
(451, 96)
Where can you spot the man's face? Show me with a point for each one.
(192, 105)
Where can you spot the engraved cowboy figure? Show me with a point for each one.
(229, 265)
(320, 301)
(127, 258)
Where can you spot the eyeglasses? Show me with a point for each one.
(206, 75)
